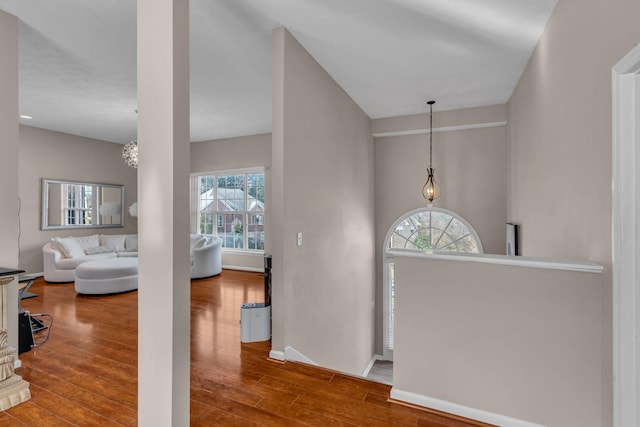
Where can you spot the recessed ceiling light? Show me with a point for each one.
(22, 116)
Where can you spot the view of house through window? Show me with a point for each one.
(231, 206)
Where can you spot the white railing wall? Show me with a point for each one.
(512, 341)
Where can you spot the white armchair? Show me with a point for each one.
(206, 256)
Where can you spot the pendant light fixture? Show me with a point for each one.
(430, 189)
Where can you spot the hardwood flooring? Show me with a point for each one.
(86, 375)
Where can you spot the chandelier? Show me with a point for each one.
(130, 153)
(430, 189)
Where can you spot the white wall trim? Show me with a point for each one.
(294, 355)
(243, 268)
(277, 355)
(243, 252)
(460, 410)
(230, 171)
(626, 238)
(371, 363)
(440, 129)
(518, 261)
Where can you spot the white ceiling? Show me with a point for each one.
(78, 58)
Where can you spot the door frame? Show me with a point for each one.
(626, 238)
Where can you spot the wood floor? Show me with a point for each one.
(86, 375)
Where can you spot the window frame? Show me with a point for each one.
(194, 202)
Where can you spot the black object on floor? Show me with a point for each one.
(25, 337)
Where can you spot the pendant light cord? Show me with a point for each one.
(431, 133)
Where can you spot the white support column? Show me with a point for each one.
(9, 223)
(163, 197)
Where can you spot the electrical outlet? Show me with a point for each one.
(299, 239)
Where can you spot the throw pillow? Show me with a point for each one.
(69, 246)
(115, 240)
(87, 242)
(131, 243)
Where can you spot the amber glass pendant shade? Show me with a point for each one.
(430, 189)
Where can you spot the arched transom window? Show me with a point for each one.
(434, 230)
(427, 230)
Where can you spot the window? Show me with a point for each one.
(231, 206)
(434, 231)
(79, 204)
(425, 230)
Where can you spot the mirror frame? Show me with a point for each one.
(44, 219)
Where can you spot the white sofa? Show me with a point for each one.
(206, 255)
(61, 256)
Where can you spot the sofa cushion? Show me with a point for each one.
(72, 263)
(100, 250)
(131, 243)
(115, 240)
(87, 242)
(127, 254)
(69, 246)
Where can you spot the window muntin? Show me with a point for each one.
(231, 206)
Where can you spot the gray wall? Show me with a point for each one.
(323, 159)
(511, 340)
(235, 153)
(560, 131)
(560, 140)
(470, 166)
(49, 154)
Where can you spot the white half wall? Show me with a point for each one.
(520, 341)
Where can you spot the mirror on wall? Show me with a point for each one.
(74, 204)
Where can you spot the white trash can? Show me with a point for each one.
(255, 322)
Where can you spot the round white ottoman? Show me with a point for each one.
(107, 276)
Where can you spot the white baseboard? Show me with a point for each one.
(277, 355)
(371, 363)
(292, 355)
(242, 268)
(295, 356)
(460, 410)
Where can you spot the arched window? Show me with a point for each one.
(429, 230)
